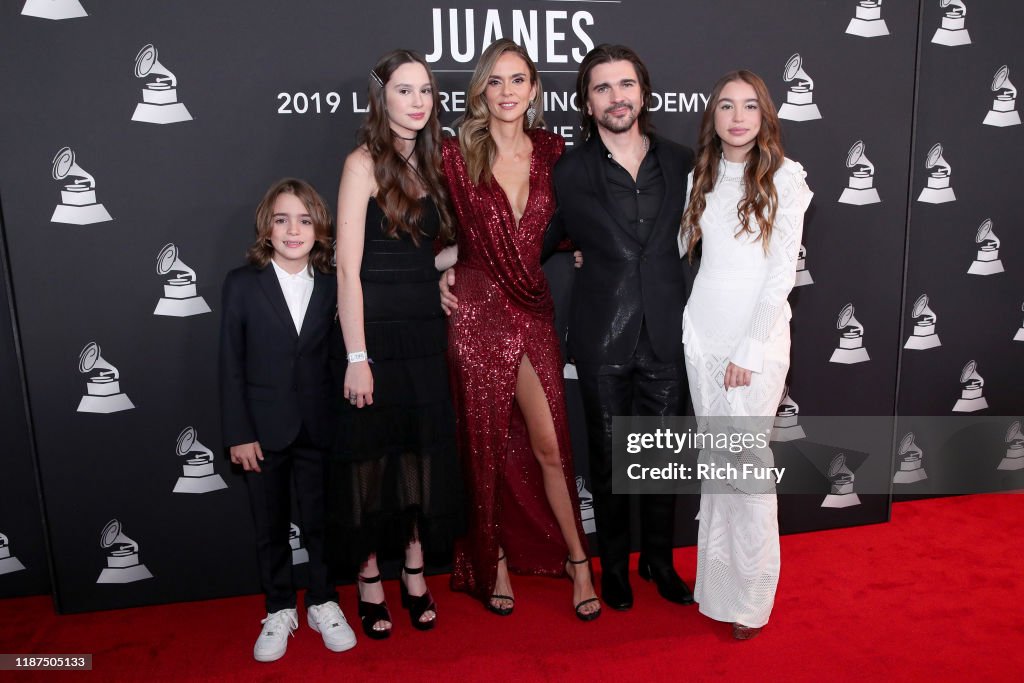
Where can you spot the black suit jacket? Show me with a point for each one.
(623, 281)
(273, 380)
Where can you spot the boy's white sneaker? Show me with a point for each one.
(273, 640)
(327, 620)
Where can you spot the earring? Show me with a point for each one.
(531, 115)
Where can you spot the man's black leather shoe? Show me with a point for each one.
(670, 585)
(615, 590)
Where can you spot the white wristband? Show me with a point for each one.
(357, 357)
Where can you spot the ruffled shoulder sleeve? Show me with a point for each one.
(783, 251)
(791, 185)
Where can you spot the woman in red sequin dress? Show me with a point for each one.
(504, 355)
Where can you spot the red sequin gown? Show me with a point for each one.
(505, 312)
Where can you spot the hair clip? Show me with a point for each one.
(376, 78)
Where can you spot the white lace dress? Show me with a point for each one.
(737, 312)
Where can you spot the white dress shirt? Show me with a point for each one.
(297, 290)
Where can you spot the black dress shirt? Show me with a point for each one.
(638, 201)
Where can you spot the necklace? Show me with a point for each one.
(402, 137)
(412, 167)
(645, 143)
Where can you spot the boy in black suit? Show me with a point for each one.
(275, 388)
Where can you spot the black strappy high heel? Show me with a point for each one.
(501, 611)
(372, 612)
(418, 604)
(583, 616)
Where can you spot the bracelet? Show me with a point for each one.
(357, 357)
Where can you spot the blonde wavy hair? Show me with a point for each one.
(475, 139)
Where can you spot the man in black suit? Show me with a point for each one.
(620, 199)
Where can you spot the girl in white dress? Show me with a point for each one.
(746, 206)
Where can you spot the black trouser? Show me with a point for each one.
(270, 499)
(642, 386)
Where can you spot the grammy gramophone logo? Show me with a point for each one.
(78, 203)
(1020, 333)
(299, 553)
(1004, 106)
(851, 339)
(803, 276)
(102, 386)
(787, 420)
(841, 479)
(586, 506)
(986, 260)
(911, 461)
(198, 475)
(860, 187)
(123, 563)
(160, 95)
(867, 21)
(937, 189)
(971, 386)
(54, 9)
(799, 105)
(8, 563)
(181, 298)
(924, 336)
(953, 30)
(1014, 458)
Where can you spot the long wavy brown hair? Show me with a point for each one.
(398, 192)
(262, 250)
(760, 199)
(475, 139)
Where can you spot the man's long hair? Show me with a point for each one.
(603, 54)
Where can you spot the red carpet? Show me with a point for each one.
(935, 594)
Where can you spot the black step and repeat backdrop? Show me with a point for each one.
(23, 560)
(963, 301)
(138, 138)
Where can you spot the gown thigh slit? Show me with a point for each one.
(505, 313)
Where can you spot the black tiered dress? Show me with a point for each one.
(394, 471)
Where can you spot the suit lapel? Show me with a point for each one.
(599, 181)
(321, 286)
(272, 289)
(674, 181)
